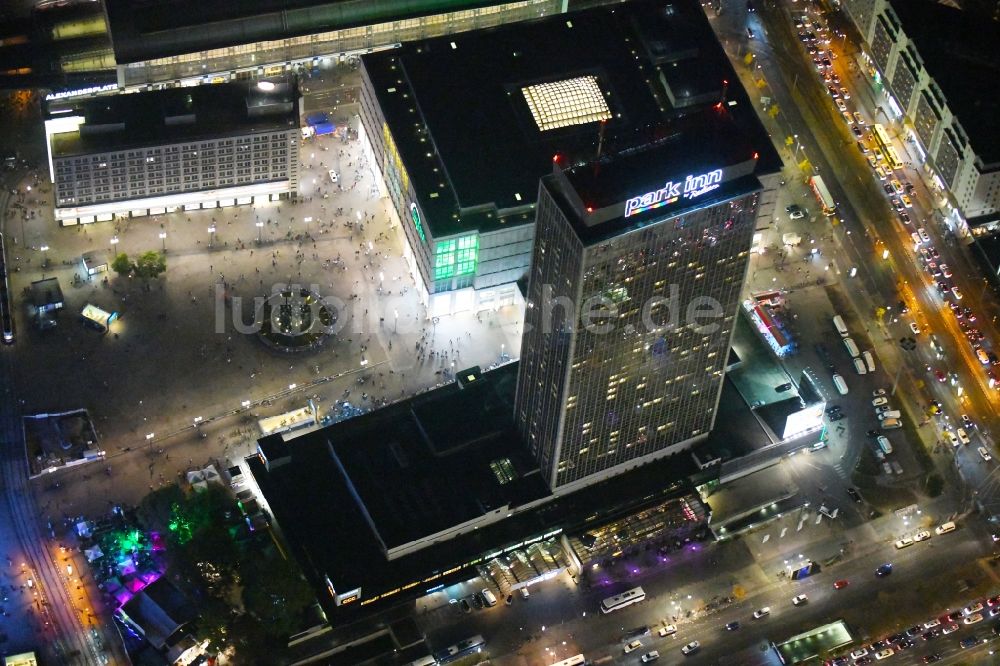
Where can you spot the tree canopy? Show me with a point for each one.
(150, 264)
(121, 264)
(201, 529)
(147, 266)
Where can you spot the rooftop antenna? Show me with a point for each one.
(600, 146)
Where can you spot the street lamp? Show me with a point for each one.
(211, 240)
(798, 144)
(395, 320)
(163, 240)
(260, 230)
(113, 242)
(45, 261)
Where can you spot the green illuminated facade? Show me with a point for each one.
(415, 216)
(456, 258)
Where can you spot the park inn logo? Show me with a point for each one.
(691, 188)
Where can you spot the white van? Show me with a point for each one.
(944, 528)
(490, 598)
(859, 366)
(891, 414)
(869, 361)
(852, 348)
(891, 424)
(838, 323)
(841, 385)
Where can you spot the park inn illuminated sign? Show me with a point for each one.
(691, 188)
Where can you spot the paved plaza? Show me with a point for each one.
(183, 349)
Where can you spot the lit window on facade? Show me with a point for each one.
(456, 257)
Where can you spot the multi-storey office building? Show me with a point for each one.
(462, 127)
(638, 266)
(938, 66)
(183, 148)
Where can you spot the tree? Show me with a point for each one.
(202, 548)
(121, 264)
(275, 592)
(934, 485)
(254, 642)
(149, 265)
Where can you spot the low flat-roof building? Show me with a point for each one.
(424, 491)
(153, 152)
(460, 155)
(179, 39)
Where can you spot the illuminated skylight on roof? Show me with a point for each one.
(563, 103)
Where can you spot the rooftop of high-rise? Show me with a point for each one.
(478, 117)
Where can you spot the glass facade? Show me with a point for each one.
(948, 158)
(456, 257)
(881, 45)
(904, 79)
(210, 164)
(626, 340)
(926, 118)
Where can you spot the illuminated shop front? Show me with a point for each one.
(764, 311)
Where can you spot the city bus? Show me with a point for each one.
(6, 315)
(626, 598)
(424, 661)
(578, 660)
(453, 652)
(885, 147)
(823, 195)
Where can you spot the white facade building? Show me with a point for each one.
(940, 86)
(184, 148)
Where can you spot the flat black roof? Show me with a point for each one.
(116, 122)
(325, 525)
(469, 138)
(319, 497)
(147, 29)
(961, 51)
(421, 466)
(46, 292)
